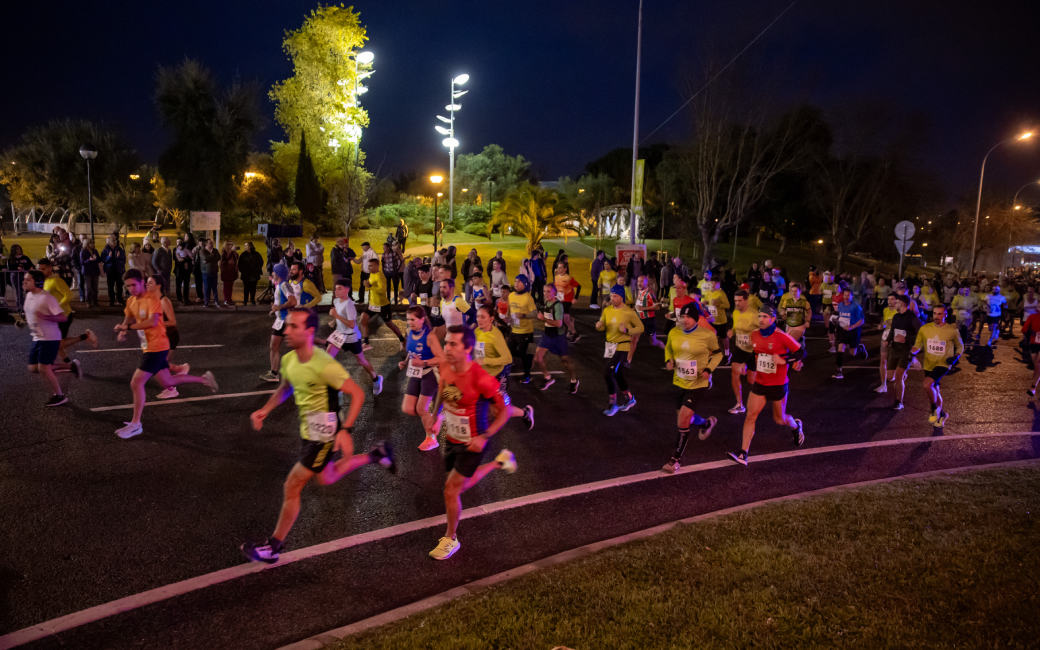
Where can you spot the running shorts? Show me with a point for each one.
(649, 326)
(690, 398)
(898, 355)
(993, 320)
(174, 335)
(64, 326)
(848, 337)
(425, 385)
(1034, 348)
(280, 331)
(721, 330)
(314, 455)
(741, 357)
(354, 347)
(771, 393)
(457, 457)
(44, 352)
(566, 308)
(154, 362)
(555, 344)
(936, 374)
(383, 312)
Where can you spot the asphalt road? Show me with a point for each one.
(90, 518)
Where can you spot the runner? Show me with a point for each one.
(899, 337)
(996, 304)
(607, 278)
(492, 353)
(1031, 333)
(347, 335)
(849, 328)
(58, 288)
(465, 392)
(693, 352)
(282, 301)
(964, 306)
(936, 339)
(646, 304)
(157, 287)
(423, 291)
(886, 324)
(424, 353)
(43, 314)
(522, 314)
(774, 352)
(745, 323)
(553, 341)
(715, 302)
(623, 329)
(314, 379)
(144, 315)
(796, 312)
(454, 309)
(567, 289)
(378, 306)
(829, 291)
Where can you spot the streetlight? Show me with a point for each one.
(450, 142)
(89, 152)
(1015, 201)
(978, 205)
(436, 180)
(361, 58)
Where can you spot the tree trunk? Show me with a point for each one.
(758, 239)
(840, 259)
(783, 243)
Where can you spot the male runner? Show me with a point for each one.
(567, 289)
(522, 314)
(465, 392)
(996, 303)
(646, 306)
(314, 379)
(58, 288)
(774, 352)
(900, 336)
(1031, 334)
(307, 295)
(282, 301)
(693, 352)
(553, 341)
(942, 347)
(378, 305)
(885, 325)
(830, 293)
(745, 323)
(796, 312)
(454, 309)
(347, 336)
(623, 328)
(715, 302)
(43, 314)
(849, 327)
(144, 315)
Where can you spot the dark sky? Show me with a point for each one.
(552, 81)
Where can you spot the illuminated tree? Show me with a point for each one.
(532, 212)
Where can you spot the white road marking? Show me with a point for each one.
(182, 400)
(533, 373)
(142, 599)
(180, 347)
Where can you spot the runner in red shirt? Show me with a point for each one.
(774, 351)
(1031, 334)
(466, 392)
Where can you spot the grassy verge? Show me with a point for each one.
(943, 562)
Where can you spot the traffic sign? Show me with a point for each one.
(905, 230)
(903, 246)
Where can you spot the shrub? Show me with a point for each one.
(478, 229)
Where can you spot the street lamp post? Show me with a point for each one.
(450, 142)
(1015, 201)
(363, 58)
(978, 205)
(436, 180)
(89, 152)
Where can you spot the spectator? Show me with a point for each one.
(184, 264)
(162, 261)
(491, 266)
(367, 254)
(77, 266)
(316, 258)
(538, 266)
(814, 281)
(410, 277)
(449, 260)
(634, 270)
(91, 262)
(754, 277)
(210, 263)
(401, 235)
(18, 263)
(196, 260)
(52, 246)
(594, 271)
(292, 254)
(251, 266)
(138, 259)
(470, 262)
(228, 271)
(62, 261)
(274, 253)
(393, 263)
(341, 266)
(114, 259)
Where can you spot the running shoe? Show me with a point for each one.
(593, 306)
(210, 381)
(56, 400)
(91, 337)
(265, 552)
(429, 443)
(185, 369)
(366, 347)
(529, 416)
(798, 434)
(611, 411)
(383, 453)
(838, 375)
(445, 548)
(76, 369)
(168, 393)
(377, 385)
(726, 359)
(898, 406)
(526, 380)
(577, 337)
(574, 387)
(832, 350)
(883, 388)
(671, 467)
(629, 404)
(271, 376)
(130, 430)
(739, 408)
(864, 348)
(933, 416)
(942, 419)
(508, 461)
(1031, 391)
(706, 431)
(740, 457)
(546, 383)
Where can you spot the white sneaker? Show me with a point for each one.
(130, 430)
(508, 461)
(429, 443)
(593, 306)
(832, 350)
(185, 369)
(671, 467)
(377, 385)
(445, 548)
(168, 393)
(883, 388)
(210, 380)
(739, 408)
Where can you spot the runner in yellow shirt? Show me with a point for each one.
(886, 323)
(378, 305)
(522, 315)
(796, 312)
(607, 278)
(623, 328)
(492, 354)
(942, 346)
(715, 302)
(745, 321)
(57, 287)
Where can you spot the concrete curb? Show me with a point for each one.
(394, 615)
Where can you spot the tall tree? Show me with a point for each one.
(473, 171)
(211, 134)
(308, 190)
(532, 212)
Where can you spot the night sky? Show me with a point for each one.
(552, 81)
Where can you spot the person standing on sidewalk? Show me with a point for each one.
(342, 269)
(182, 256)
(229, 271)
(162, 261)
(91, 262)
(210, 264)
(251, 266)
(113, 257)
(197, 263)
(595, 270)
(316, 258)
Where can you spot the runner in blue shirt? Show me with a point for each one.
(995, 304)
(284, 299)
(850, 327)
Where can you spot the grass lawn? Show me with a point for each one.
(946, 561)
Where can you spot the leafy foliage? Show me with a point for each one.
(473, 170)
(532, 212)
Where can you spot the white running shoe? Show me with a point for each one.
(883, 388)
(168, 393)
(130, 430)
(429, 443)
(706, 431)
(377, 385)
(671, 467)
(445, 548)
(508, 461)
(185, 369)
(210, 380)
(832, 351)
(91, 337)
(739, 408)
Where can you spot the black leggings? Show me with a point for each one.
(249, 291)
(518, 347)
(614, 373)
(537, 290)
(115, 288)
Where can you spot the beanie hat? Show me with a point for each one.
(282, 271)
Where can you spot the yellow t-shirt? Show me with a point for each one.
(60, 290)
(613, 319)
(521, 303)
(938, 344)
(744, 323)
(718, 311)
(377, 290)
(606, 280)
(312, 383)
(692, 354)
(829, 292)
(491, 351)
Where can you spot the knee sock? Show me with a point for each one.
(680, 443)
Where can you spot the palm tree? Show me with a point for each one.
(532, 212)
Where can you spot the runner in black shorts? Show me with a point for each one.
(646, 309)
(553, 341)
(423, 354)
(283, 299)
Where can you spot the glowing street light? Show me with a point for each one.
(436, 180)
(89, 152)
(451, 143)
(1015, 201)
(978, 205)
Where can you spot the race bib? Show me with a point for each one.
(321, 427)
(743, 340)
(844, 322)
(496, 292)
(548, 315)
(763, 293)
(338, 339)
(834, 317)
(278, 323)
(766, 364)
(900, 336)
(964, 314)
(373, 309)
(608, 353)
(937, 347)
(478, 350)
(514, 319)
(456, 427)
(827, 293)
(414, 370)
(713, 310)
(143, 338)
(678, 310)
(1036, 338)
(686, 369)
(436, 311)
(423, 299)
(884, 335)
